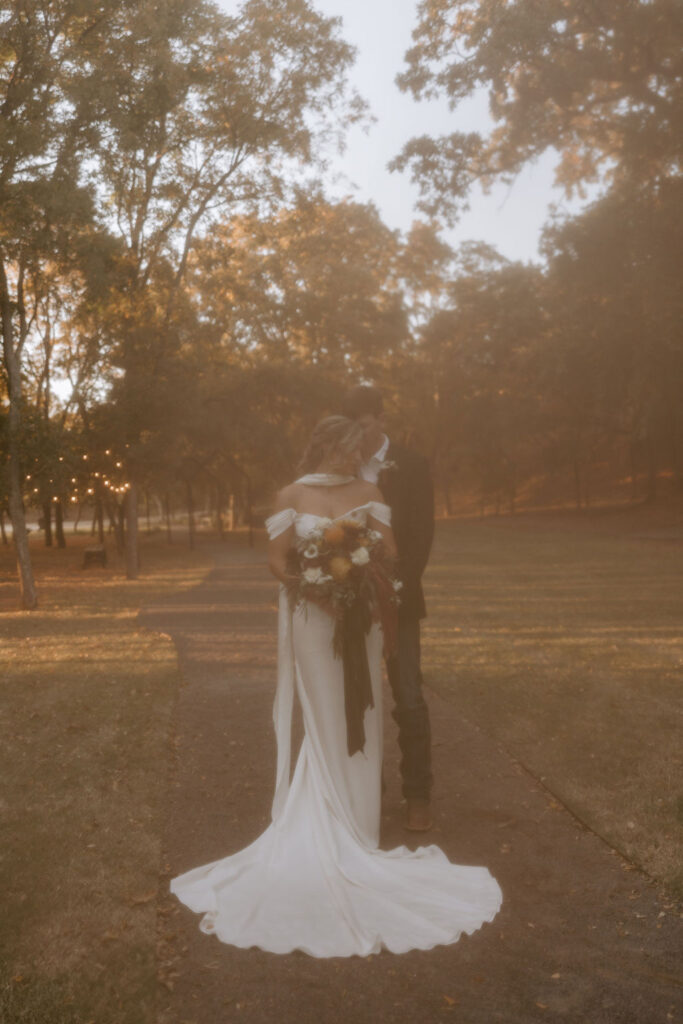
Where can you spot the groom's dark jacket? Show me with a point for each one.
(407, 488)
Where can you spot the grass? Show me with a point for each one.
(85, 702)
(562, 638)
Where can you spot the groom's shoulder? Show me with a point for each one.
(408, 459)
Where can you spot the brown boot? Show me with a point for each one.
(418, 814)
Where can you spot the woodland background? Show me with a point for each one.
(181, 299)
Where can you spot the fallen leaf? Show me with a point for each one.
(134, 901)
(451, 1002)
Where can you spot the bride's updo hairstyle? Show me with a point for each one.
(333, 437)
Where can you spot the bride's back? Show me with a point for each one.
(328, 500)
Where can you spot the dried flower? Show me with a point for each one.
(340, 567)
(360, 556)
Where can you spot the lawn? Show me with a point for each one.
(85, 702)
(562, 637)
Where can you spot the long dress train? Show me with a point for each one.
(316, 880)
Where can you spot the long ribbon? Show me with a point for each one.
(357, 681)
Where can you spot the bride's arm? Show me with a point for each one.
(277, 554)
(279, 545)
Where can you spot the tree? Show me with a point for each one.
(600, 82)
(614, 301)
(316, 283)
(204, 113)
(43, 66)
(484, 354)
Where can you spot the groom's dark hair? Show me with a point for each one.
(363, 399)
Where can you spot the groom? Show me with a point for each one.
(404, 478)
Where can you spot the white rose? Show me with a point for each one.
(314, 575)
(311, 551)
(360, 556)
(397, 585)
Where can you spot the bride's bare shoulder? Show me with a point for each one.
(288, 497)
(367, 491)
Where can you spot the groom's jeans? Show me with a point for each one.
(410, 710)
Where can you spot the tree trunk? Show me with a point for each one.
(117, 524)
(219, 512)
(147, 513)
(47, 523)
(59, 525)
(99, 516)
(77, 517)
(167, 514)
(651, 469)
(634, 471)
(3, 532)
(446, 492)
(577, 483)
(132, 553)
(190, 514)
(29, 597)
(249, 514)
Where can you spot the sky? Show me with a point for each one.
(510, 217)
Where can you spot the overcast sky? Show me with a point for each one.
(509, 217)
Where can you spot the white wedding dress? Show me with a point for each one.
(316, 880)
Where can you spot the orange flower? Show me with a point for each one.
(334, 535)
(340, 567)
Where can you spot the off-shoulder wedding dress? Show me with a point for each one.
(316, 880)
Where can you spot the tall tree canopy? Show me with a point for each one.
(601, 82)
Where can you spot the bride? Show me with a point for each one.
(316, 879)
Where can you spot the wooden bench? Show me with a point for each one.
(94, 556)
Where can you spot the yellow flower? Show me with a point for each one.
(340, 567)
(334, 535)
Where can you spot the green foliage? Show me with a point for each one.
(599, 82)
(317, 282)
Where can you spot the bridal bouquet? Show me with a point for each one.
(346, 565)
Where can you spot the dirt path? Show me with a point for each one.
(581, 937)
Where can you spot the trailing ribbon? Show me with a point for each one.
(357, 682)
